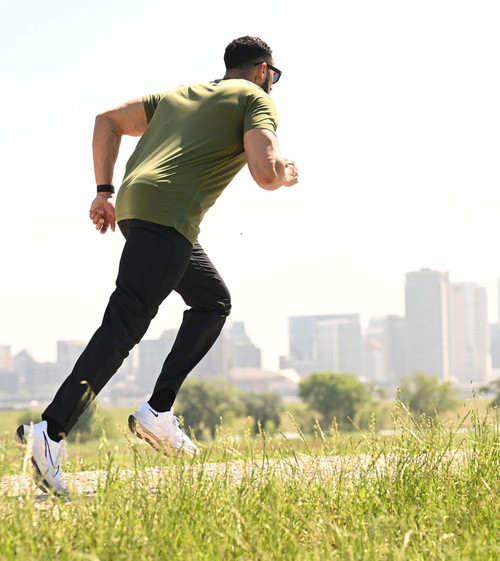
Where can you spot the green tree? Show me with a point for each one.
(264, 408)
(202, 404)
(427, 394)
(335, 396)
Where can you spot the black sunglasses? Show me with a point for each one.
(277, 72)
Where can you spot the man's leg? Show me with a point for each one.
(202, 288)
(154, 259)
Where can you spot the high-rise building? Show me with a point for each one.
(8, 378)
(396, 366)
(338, 345)
(495, 337)
(385, 358)
(6, 358)
(495, 348)
(301, 333)
(242, 353)
(469, 337)
(40, 378)
(325, 343)
(68, 352)
(215, 364)
(152, 354)
(427, 323)
(498, 302)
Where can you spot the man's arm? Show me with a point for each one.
(110, 126)
(265, 162)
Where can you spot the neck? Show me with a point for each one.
(230, 74)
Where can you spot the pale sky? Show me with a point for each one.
(390, 109)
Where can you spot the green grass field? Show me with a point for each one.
(425, 492)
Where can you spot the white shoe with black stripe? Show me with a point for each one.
(46, 456)
(161, 430)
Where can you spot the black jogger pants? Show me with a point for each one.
(155, 261)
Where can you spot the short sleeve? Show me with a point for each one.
(150, 104)
(261, 113)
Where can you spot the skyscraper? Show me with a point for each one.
(8, 378)
(385, 350)
(498, 302)
(242, 353)
(325, 343)
(152, 354)
(6, 358)
(68, 352)
(427, 323)
(469, 337)
(495, 336)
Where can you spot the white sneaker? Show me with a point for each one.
(46, 456)
(161, 430)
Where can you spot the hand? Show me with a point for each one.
(291, 173)
(102, 212)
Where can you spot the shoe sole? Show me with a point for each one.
(41, 483)
(159, 445)
(143, 433)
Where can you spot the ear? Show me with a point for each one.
(261, 70)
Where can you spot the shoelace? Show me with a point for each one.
(62, 454)
(185, 440)
(176, 423)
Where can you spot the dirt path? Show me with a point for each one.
(87, 482)
(307, 468)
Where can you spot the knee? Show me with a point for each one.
(224, 303)
(226, 309)
(219, 303)
(217, 300)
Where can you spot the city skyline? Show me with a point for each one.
(273, 363)
(445, 331)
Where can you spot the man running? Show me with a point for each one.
(194, 140)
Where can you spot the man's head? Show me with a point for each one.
(251, 58)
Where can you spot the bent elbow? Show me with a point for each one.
(266, 178)
(268, 184)
(105, 121)
(101, 117)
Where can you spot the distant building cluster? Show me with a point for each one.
(445, 332)
(234, 357)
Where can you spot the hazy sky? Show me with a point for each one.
(389, 107)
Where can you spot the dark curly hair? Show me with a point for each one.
(244, 51)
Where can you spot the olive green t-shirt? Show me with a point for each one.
(191, 149)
